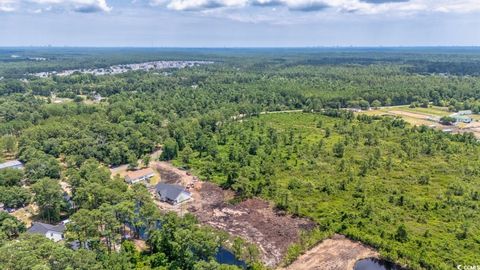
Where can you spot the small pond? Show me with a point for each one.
(224, 256)
(375, 264)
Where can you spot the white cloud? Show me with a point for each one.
(7, 5)
(366, 7)
(357, 6)
(204, 4)
(85, 6)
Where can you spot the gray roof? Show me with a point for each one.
(9, 164)
(170, 192)
(43, 228)
(465, 112)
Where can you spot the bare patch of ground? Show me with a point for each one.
(253, 220)
(140, 245)
(26, 214)
(336, 253)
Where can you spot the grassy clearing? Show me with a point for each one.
(434, 110)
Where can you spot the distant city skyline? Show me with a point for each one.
(239, 23)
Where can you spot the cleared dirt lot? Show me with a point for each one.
(254, 220)
(336, 253)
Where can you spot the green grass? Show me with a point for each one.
(434, 111)
(333, 192)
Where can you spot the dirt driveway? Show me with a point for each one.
(336, 253)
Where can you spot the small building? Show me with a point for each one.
(2, 207)
(134, 177)
(12, 164)
(465, 112)
(461, 118)
(173, 194)
(97, 98)
(52, 232)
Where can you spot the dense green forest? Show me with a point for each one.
(411, 192)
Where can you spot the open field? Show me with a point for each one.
(428, 117)
(431, 111)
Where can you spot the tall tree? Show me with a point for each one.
(49, 198)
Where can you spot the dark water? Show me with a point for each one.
(224, 256)
(375, 264)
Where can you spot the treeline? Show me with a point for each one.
(271, 88)
(455, 61)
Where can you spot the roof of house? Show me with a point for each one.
(139, 173)
(461, 117)
(10, 163)
(43, 228)
(465, 112)
(170, 192)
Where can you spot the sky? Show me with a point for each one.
(239, 23)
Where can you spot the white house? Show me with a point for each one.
(465, 112)
(12, 164)
(52, 232)
(134, 177)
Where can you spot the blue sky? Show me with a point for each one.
(239, 23)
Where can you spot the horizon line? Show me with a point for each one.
(244, 47)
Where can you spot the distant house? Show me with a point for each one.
(52, 232)
(97, 97)
(461, 118)
(173, 194)
(139, 175)
(465, 112)
(2, 207)
(12, 164)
